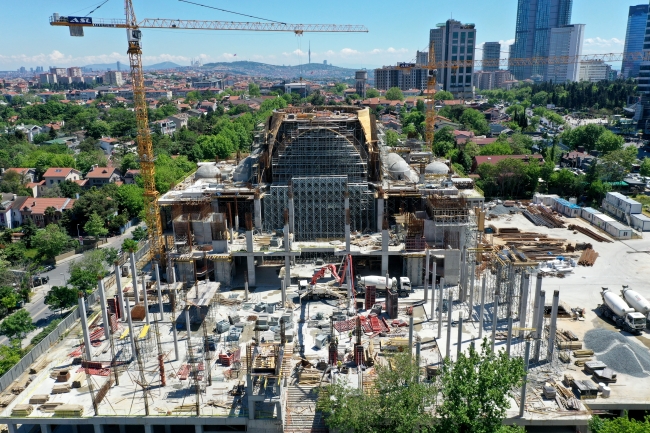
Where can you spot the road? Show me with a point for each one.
(41, 313)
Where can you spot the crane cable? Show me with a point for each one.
(231, 12)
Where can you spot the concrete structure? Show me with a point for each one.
(634, 38)
(535, 19)
(361, 78)
(114, 78)
(640, 222)
(565, 41)
(491, 56)
(594, 71)
(405, 79)
(422, 58)
(455, 41)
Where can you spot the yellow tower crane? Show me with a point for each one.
(134, 37)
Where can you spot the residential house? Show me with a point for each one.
(57, 175)
(195, 113)
(463, 136)
(179, 119)
(208, 105)
(71, 141)
(576, 159)
(108, 144)
(494, 159)
(10, 216)
(30, 131)
(28, 174)
(36, 188)
(129, 176)
(56, 126)
(99, 176)
(34, 209)
(167, 126)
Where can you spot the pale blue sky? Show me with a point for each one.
(397, 30)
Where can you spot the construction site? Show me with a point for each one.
(274, 285)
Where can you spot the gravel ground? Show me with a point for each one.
(620, 354)
(502, 210)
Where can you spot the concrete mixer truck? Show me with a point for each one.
(616, 309)
(638, 302)
(403, 285)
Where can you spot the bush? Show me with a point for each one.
(41, 335)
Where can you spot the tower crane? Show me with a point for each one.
(134, 38)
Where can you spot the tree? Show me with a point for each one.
(99, 129)
(96, 226)
(29, 230)
(475, 121)
(254, 89)
(394, 94)
(139, 233)
(475, 390)
(617, 163)
(585, 136)
(130, 199)
(622, 424)
(443, 95)
(645, 167)
(496, 148)
(372, 93)
(85, 271)
(51, 241)
(609, 142)
(9, 356)
(69, 188)
(392, 138)
(17, 325)
(129, 245)
(110, 255)
(8, 299)
(61, 298)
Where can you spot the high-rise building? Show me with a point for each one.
(491, 56)
(61, 72)
(48, 78)
(360, 84)
(634, 37)
(422, 58)
(114, 78)
(455, 41)
(74, 71)
(119, 67)
(594, 71)
(565, 41)
(405, 79)
(535, 19)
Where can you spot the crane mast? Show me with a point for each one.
(145, 146)
(430, 119)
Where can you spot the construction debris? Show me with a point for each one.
(588, 257)
(22, 410)
(590, 233)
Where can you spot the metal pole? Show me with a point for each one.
(417, 359)
(450, 304)
(131, 331)
(146, 301)
(540, 324)
(284, 293)
(538, 289)
(187, 323)
(426, 276)
(84, 326)
(120, 293)
(160, 301)
(523, 303)
(103, 306)
(411, 333)
(481, 311)
(495, 320)
(522, 402)
(459, 349)
(472, 277)
(553, 325)
(134, 278)
(442, 289)
(509, 340)
(433, 290)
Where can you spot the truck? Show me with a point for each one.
(638, 302)
(624, 316)
(403, 285)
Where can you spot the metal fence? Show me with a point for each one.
(53, 337)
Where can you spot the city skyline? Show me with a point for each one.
(50, 46)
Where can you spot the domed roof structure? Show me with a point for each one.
(436, 167)
(396, 165)
(208, 171)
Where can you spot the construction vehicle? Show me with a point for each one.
(638, 302)
(146, 155)
(403, 285)
(624, 316)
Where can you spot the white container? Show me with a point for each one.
(606, 392)
(636, 301)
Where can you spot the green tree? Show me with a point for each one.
(618, 163)
(17, 325)
(475, 121)
(69, 189)
(372, 93)
(254, 89)
(129, 245)
(130, 199)
(608, 142)
(8, 299)
(61, 298)
(392, 138)
(586, 136)
(98, 129)
(622, 424)
(394, 94)
(443, 95)
(96, 226)
(475, 390)
(139, 233)
(85, 271)
(645, 167)
(496, 148)
(539, 98)
(29, 230)
(9, 355)
(51, 241)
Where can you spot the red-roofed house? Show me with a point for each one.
(494, 159)
(129, 176)
(34, 208)
(28, 174)
(57, 175)
(99, 176)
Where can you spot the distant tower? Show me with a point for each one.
(360, 87)
(309, 56)
(119, 66)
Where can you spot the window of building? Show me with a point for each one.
(468, 78)
(462, 49)
(470, 35)
(454, 49)
(453, 79)
(462, 37)
(51, 181)
(455, 35)
(454, 58)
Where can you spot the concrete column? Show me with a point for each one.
(84, 327)
(481, 310)
(99, 429)
(462, 295)
(509, 337)
(236, 222)
(250, 259)
(523, 303)
(104, 307)
(380, 213)
(187, 324)
(120, 293)
(246, 288)
(495, 322)
(292, 214)
(198, 428)
(257, 211)
(46, 428)
(160, 299)
(539, 325)
(411, 333)
(426, 276)
(148, 428)
(122, 428)
(284, 293)
(450, 304)
(511, 290)
(433, 288)
(134, 278)
(146, 301)
(459, 349)
(522, 401)
(346, 200)
(440, 306)
(538, 290)
(384, 248)
(171, 273)
(175, 333)
(131, 330)
(287, 258)
(12, 428)
(168, 428)
(472, 278)
(553, 325)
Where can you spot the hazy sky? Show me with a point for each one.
(396, 30)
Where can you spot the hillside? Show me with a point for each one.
(307, 71)
(125, 66)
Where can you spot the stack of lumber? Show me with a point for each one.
(185, 408)
(583, 353)
(17, 389)
(63, 376)
(35, 368)
(588, 257)
(72, 410)
(310, 376)
(78, 380)
(592, 234)
(22, 410)
(6, 399)
(582, 361)
(39, 399)
(570, 345)
(61, 389)
(540, 216)
(49, 407)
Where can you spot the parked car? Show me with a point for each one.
(40, 280)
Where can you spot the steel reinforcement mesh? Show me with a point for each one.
(319, 207)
